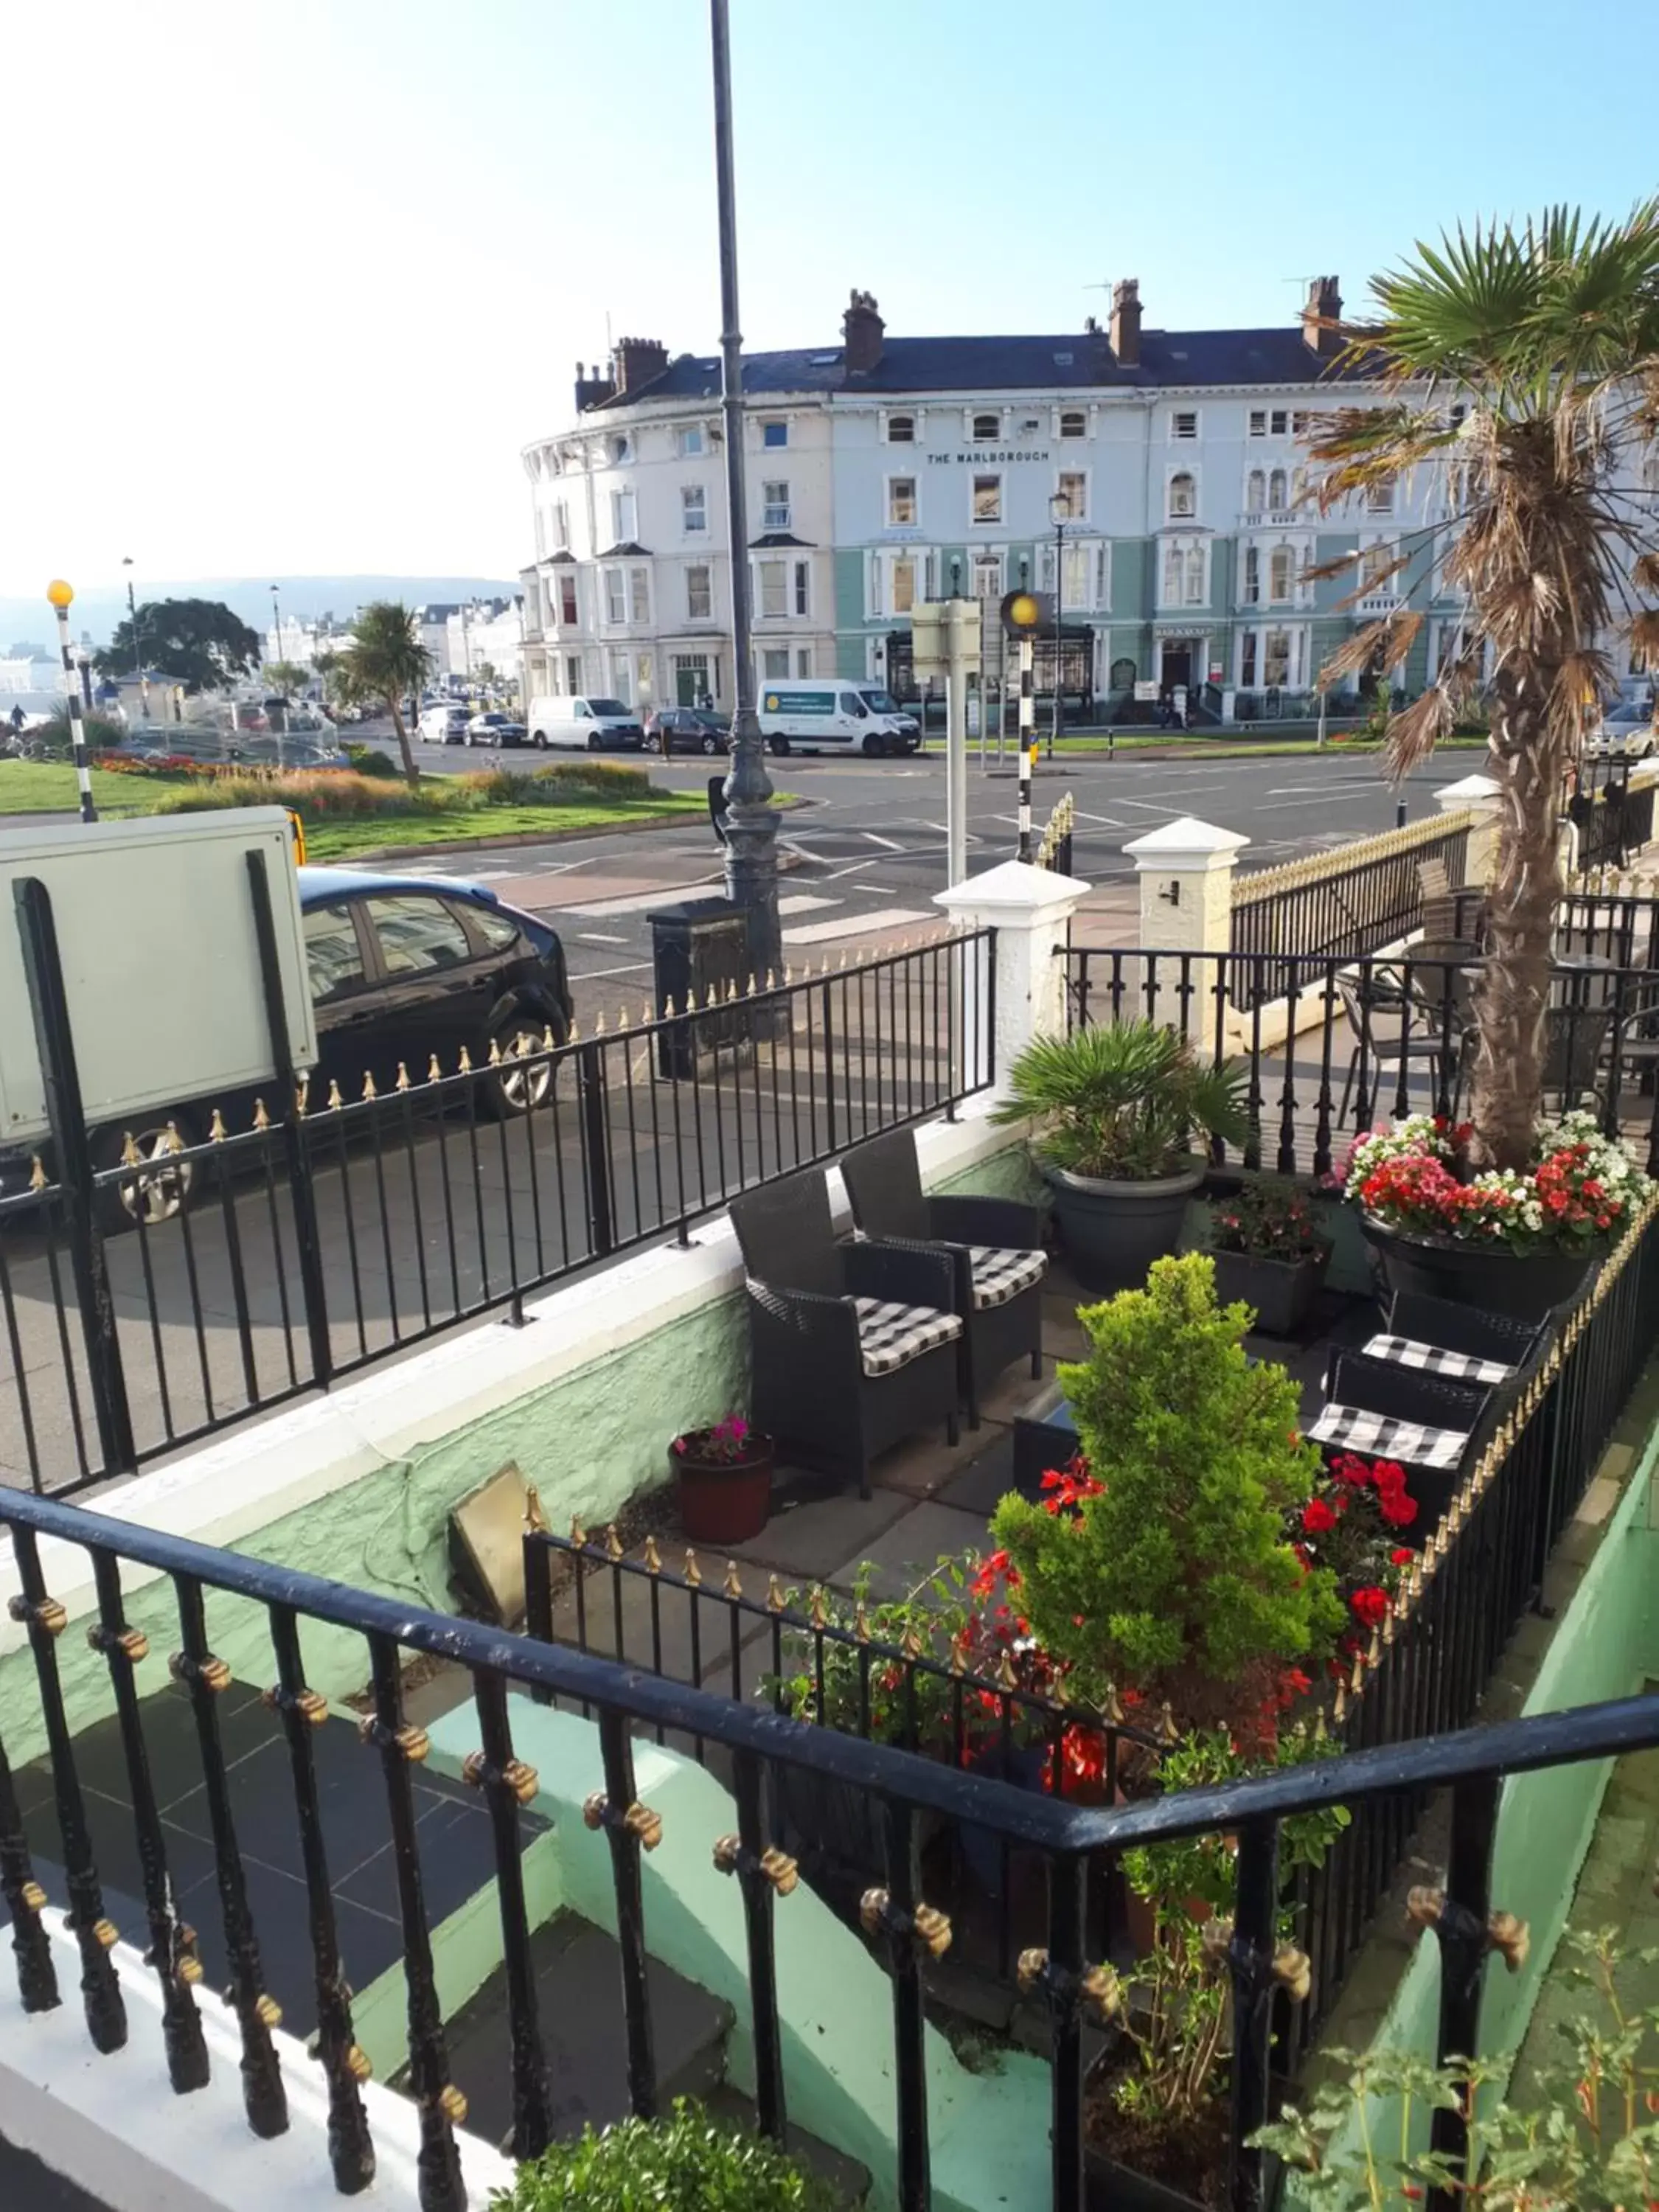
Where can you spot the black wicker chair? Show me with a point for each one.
(1467, 1333)
(1429, 1425)
(852, 1345)
(996, 1247)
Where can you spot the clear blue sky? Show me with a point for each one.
(332, 261)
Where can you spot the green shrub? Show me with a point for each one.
(369, 760)
(56, 738)
(540, 787)
(689, 2163)
(331, 794)
(1177, 1579)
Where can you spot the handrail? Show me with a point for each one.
(1345, 860)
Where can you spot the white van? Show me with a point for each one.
(443, 723)
(835, 715)
(587, 724)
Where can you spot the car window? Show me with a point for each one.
(497, 932)
(851, 704)
(334, 965)
(417, 935)
(609, 706)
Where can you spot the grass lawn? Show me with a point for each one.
(49, 787)
(339, 840)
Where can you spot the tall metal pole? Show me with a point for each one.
(752, 827)
(1059, 609)
(59, 594)
(1027, 746)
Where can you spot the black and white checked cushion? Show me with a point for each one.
(1353, 1428)
(1001, 1272)
(1435, 1359)
(891, 1335)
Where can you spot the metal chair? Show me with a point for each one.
(1466, 1343)
(1389, 1028)
(996, 1247)
(852, 1345)
(1429, 1425)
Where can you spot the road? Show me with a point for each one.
(865, 852)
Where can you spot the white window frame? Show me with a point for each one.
(774, 653)
(1182, 546)
(1379, 550)
(1281, 504)
(800, 590)
(984, 521)
(1285, 555)
(624, 517)
(560, 520)
(1255, 492)
(1065, 415)
(765, 565)
(571, 621)
(621, 450)
(889, 425)
(706, 569)
(1074, 513)
(1378, 498)
(898, 522)
(614, 595)
(1249, 576)
(804, 663)
(694, 503)
(638, 595)
(768, 423)
(1258, 422)
(776, 514)
(1177, 436)
(990, 562)
(1171, 513)
(691, 442)
(972, 418)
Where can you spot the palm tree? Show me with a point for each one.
(384, 663)
(285, 676)
(1527, 364)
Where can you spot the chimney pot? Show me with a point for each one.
(1126, 322)
(862, 329)
(638, 361)
(1321, 315)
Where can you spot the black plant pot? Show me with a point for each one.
(1113, 1232)
(1282, 1291)
(1526, 1285)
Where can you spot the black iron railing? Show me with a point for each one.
(1328, 1046)
(762, 1746)
(1319, 909)
(151, 1302)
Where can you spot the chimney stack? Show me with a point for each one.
(592, 387)
(1324, 309)
(862, 329)
(1126, 322)
(636, 361)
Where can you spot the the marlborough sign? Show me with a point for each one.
(981, 455)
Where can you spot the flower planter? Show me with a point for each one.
(1109, 2187)
(723, 1501)
(1113, 1232)
(1525, 1286)
(1282, 1291)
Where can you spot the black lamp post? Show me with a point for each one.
(752, 827)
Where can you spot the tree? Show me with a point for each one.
(1527, 364)
(285, 676)
(487, 672)
(384, 663)
(199, 643)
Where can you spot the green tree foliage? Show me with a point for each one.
(689, 2163)
(285, 677)
(384, 663)
(199, 643)
(1178, 1579)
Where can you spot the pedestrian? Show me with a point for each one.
(1166, 710)
(17, 719)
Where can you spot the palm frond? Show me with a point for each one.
(1414, 732)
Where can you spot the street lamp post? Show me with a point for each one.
(1060, 507)
(137, 650)
(276, 621)
(60, 594)
(752, 827)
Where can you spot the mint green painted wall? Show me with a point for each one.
(851, 658)
(849, 589)
(1132, 569)
(989, 2129)
(1329, 589)
(1606, 1645)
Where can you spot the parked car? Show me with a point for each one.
(444, 722)
(495, 730)
(590, 724)
(1626, 732)
(687, 729)
(833, 715)
(401, 968)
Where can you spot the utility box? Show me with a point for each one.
(701, 947)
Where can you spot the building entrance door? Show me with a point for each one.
(1177, 667)
(690, 680)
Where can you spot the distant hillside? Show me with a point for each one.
(98, 607)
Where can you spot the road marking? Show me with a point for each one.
(1109, 821)
(803, 902)
(888, 917)
(638, 902)
(592, 974)
(891, 843)
(592, 936)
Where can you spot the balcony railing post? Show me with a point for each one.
(631, 1828)
(909, 1928)
(507, 1784)
(106, 2017)
(37, 1978)
(763, 1873)
(596, 1155)
(1250, 1956)
(1461, 1918)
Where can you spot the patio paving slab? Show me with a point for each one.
(907, 1552)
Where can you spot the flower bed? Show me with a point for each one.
(1581, 1188)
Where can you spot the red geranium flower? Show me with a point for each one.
(1402, 1557)
(1317, 1518)
(1369, 1604)
(1397, 1507)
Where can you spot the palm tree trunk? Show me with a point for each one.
(1511, 999)
(411, 773)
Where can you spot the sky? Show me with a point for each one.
(290, 283)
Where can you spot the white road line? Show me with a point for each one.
(638, 902)
(592, 936)
(803, 902)
(1109, 821)
(891, 843)
(889, 917)
(592, 974)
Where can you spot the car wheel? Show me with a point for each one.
(156, 1186)
(524, 1077)
(873, 747)
(592, 741)
(778, 747)
(711, 744)
(540, 741)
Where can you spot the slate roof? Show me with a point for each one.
(1077, 361)
(774, 538)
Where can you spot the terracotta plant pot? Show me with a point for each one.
(1525, 1286)
(1282, 1291)
(723, 1501)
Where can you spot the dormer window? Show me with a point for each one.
(987, 428)
(901, 429)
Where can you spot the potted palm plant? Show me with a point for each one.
(1509, 362)
(1271, 1250)
(1122, 1109)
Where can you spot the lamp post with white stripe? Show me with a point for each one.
(60, 594)
(1023, 615)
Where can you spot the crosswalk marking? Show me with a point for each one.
(887, 917)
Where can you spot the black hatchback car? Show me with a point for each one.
(687, 729)
(402, 968)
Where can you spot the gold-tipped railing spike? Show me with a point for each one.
(403, 1082)
(434, 1072)
(495, 1052)
(693, 1569)
(754, 987)
(171, 1141)
(733, 1586)
(599, 1023)
(216, 1127)
(774, 1595)
(1007, 1678)
(861, 1622)
(1166, 1724)
(668, 1011)
(37, 1173)
(1114, 1706)
(369, 1091)
(548, 1042)
(1339, 1704)
(130, 1155)
(1293, 1970)
(817, 1608)
(335, 1101)
(534, 1519)
(1357, 1674)
(613, 1543)
(577, 1533)
(466, 1061)
(652, 1557)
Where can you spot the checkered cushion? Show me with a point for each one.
(891, 1335)
(1434, 1359)
(1380, 1435)
(1001, 1272)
